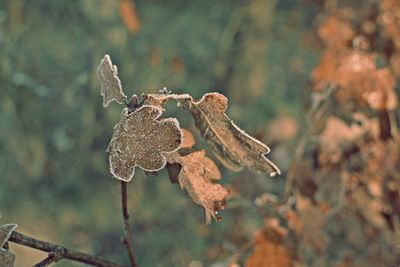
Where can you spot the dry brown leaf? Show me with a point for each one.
(161, 99)
(7, 258)
(383, 95)
(338, 133)
(196, 176)
(336, 32)
(129, 15)
(111, 88)
(324, 72)
(360, 81)
(270, 249)
(140, 139)
(231, 145)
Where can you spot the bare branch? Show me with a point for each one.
(65, 253)
(52, 257)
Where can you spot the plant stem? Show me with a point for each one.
(59, 252)
(52, 257)
(127, 236)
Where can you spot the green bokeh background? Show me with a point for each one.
(54, 180)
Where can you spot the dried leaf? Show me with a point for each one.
(196, 177)
(336, 32)
(231, 145)
(129, 15)
(111, 88)
(7, 258)
(140, 139)
(270, 249)
(161, 99)
(324, 72)
(5, 232)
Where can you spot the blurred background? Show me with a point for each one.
(54, 178)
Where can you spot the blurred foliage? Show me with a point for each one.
(54, 175)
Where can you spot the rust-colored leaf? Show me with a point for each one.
(196, 177)
(231, 145)
(270, 249)
(111, 88)
(129, 15)
(140, 139)
(360, 81)
(336, 32)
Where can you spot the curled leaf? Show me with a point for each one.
(5, 232)
(111, 88)
(196, 176)
(7, 258)
(231, 145)
(141, 139)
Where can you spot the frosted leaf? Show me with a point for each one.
(231, 145)
(111, 88)
(140, 139)
(5, 232)
(7, 258)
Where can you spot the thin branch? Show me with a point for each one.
(52, 257)
(127, 236)
(64, 253)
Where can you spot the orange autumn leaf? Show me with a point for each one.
(336, 32)
(270, 249)
(362, 82)
(129, 15)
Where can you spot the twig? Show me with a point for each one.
(127, 237)
(64, 253)
(52, 257)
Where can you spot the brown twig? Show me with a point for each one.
(52, 257)
(59, 252)
(127, 236)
